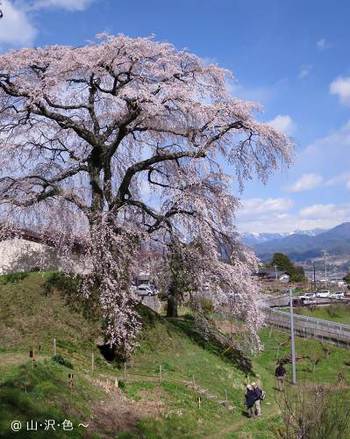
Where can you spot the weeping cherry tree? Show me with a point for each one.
(128, 141)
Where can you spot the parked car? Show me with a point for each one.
(145, 290)
(323, 294)
(307, 296)
(339, 295)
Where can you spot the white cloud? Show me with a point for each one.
(284, 123)
(322, 216)
(15, 26)
(317, 211)
(325, 156)
(341, 87)
(333, 213)
(311, 181)
(342, 178)
(338, 141)
(254, 206)
(306, 182)
(255, 213)
(70, 5)
(323, 44)
(304, 71)
(327, 153)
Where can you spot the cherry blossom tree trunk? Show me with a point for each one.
(172, 302)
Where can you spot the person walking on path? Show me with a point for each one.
(259, 396)
(250, 399)
(280, 373)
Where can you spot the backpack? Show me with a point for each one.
(263, 395)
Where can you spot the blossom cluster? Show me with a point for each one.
(124, 142)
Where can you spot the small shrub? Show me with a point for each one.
(67, 284)
(122, 385)
(166, 367)
(188, 316)
(302, 418)
(61, 360)
(13, 278)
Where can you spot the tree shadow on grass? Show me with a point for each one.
(31, 394)
(215, 342)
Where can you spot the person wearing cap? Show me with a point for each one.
(280, 373)
(250, 398)
(259, 396)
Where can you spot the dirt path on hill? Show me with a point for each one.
(237, 426)
(116, 413)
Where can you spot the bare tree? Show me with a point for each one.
(315, 412)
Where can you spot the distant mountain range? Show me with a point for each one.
(301, 245)
(252, 239)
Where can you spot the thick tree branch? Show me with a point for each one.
(145, 165)
(159, 218)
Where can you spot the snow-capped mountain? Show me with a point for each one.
(302, 246)
(253, 239)
(313, 232)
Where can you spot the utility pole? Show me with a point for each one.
(325, 264)
(275, 271)
(294, 373)
(313, 264)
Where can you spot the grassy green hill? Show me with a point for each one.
(339, 313)
(178, 383)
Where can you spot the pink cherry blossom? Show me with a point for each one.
(124, 142)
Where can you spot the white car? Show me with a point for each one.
(145, 290)
(323, 294)
(338, 295)
(308, 296)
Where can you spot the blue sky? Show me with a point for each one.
(290, 55)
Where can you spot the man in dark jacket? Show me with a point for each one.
(250, 399)
(280, 373)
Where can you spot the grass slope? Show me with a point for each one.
(182, 357)
(339, 313)
(30, 318)
(151, 404)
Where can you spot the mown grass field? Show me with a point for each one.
(155, 399)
